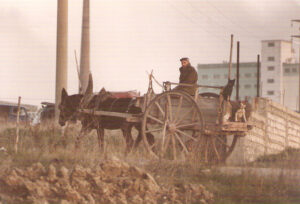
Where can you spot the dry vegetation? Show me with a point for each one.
(47, 146)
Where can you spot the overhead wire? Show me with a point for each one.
(193, 21)
(221, 38)
(232, 22)
(206, 16)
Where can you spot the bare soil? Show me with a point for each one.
(113, 181)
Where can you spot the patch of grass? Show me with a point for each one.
(247, 188)
(244, 188)
(288, 158)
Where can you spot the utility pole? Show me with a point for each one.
(258, 77)
(85, 47)
(61, 51)
(230, 57)
(238, 71)
(298, 36)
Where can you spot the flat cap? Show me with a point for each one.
(184, 58)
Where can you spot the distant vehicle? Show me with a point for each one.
(48, 110)
(8, 113)
(45, 114)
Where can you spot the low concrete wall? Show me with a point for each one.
(275, 128)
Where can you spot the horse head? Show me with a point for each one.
(68, 107)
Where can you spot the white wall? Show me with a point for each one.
(275, 128)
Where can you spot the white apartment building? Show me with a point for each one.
(279, 73)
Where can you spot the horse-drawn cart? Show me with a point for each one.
(182, 124)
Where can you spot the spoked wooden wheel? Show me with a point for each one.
(173, 119)
(215, 148)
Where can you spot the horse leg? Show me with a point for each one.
(82, 133)
(126, 129)
(149, 136)
(100, 133)
(138, 140)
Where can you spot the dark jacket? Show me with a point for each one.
(188, 75)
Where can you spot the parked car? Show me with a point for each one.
(8, 113)
(45, 114)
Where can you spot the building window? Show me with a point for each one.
(247, 86)
(294, 70)
(287, 70)
(247, 75)
(271, 68)
(204, 76)
(270, 93)
(271, 59)
(270, 80)
(271, 44)
(216, 76)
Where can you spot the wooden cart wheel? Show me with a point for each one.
(173, 119)
(215, 148)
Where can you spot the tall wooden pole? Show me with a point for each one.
(85, 47)
(61, 51)
(258, 77)
(299, 81)
(230, 57)
(238, 71)
(17, 125)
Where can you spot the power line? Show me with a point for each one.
(234, 23)
(208, 17)
(195, 22)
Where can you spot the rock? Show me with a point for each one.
(72, 195)
(207, 195)
(52, 173)
(79, 172)
(114, 167)
(34, 172)
(13, 179)
(63, 173)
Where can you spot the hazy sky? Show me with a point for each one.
(129, 38)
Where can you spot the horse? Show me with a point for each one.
(70, 104)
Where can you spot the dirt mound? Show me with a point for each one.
(113, 181)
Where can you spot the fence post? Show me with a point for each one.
(17, 125)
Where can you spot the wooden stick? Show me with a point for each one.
(17, 125)
(195, 85)
(237, 96)
(230, 58)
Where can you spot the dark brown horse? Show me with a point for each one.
(103, 101)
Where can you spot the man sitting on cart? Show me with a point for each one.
(188, 75)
